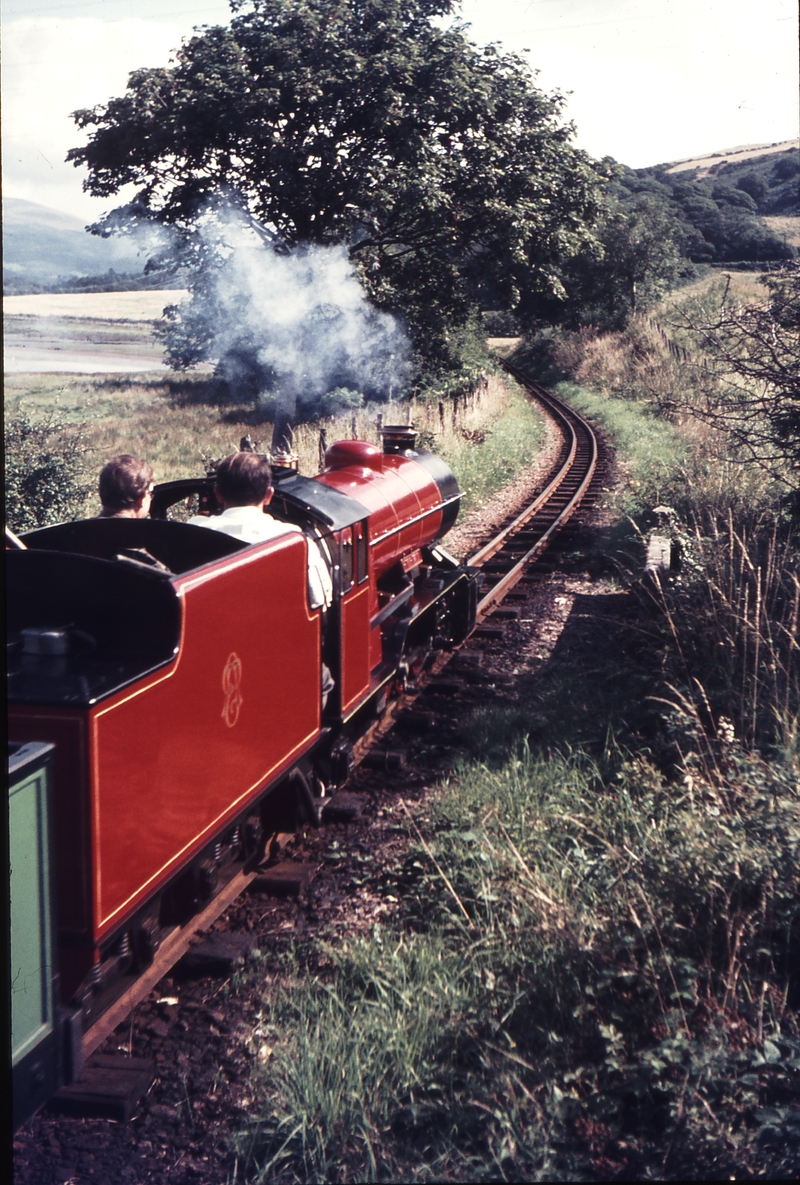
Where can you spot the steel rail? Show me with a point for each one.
(568, 418)
(494, 545)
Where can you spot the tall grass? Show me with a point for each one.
(590, 979)
(649, 449)
(732, 620)
(487, 434)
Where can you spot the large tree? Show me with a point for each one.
(372, 123)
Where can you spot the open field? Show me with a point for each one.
(732, 156)
(104, 306)
(84, 333)
(179, 422)
(787, 225)
(743, 286)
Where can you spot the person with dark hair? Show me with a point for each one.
(244, 487)
(125, 487)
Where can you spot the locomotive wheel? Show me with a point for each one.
(307, 810)
(252, 836)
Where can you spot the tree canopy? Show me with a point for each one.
(366, 122)
(634, 260)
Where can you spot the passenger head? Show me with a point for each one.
(125, 486)
(244, 479)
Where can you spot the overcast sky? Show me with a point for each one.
(650, 80)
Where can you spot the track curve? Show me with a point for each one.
(505, 558)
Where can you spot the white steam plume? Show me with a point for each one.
(302, 315)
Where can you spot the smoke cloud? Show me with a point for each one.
(296, 325)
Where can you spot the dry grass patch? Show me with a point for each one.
(787, 225)
(742, 286)
(486, 435)
(146, 305)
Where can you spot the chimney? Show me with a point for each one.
(282, 457)
(398, 438)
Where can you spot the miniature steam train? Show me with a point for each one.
(178, 673)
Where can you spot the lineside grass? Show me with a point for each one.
(650, 450)
(727, 622)
(594, 972)
(487, 437)
(584, 984)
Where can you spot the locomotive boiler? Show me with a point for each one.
(178, 673)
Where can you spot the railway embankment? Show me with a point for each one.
(591, 966)
(553, 935)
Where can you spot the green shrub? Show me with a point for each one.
(45, 471)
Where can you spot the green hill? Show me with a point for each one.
(45, 248)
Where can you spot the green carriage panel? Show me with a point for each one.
(34, 1037)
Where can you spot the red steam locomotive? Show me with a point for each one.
(184, 700)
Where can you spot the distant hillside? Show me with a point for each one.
(710, 161)
(735, 207)
(770, 175)
(42, 246)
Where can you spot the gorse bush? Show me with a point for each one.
(45, 471)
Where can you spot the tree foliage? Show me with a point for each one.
(366, 122)
(636, 258)
(720, 214)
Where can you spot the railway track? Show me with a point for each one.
(505, 560)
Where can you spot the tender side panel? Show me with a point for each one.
(177, 756)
